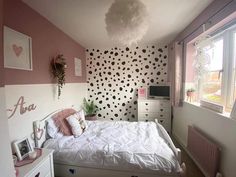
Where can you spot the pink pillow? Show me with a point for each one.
(61, 122)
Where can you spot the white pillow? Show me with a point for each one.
(52, 129)
(81, 118)
(75, 125)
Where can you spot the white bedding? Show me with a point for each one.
(117, 145)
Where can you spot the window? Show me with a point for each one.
(211, 82)
(217, 84)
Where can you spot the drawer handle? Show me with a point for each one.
(146, 114)
(72, 171)
(37, 174)
(146, 104)
(146, 109)
(161, 121)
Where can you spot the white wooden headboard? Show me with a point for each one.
(40, 127)
(40, 131)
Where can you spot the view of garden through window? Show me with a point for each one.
(212, 80)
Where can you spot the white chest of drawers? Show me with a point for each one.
(41, 167)
(151, 109)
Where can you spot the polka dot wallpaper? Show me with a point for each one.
(114, 75)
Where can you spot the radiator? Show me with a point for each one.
(203, 151)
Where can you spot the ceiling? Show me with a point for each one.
(84, 20)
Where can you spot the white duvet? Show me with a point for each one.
(117, 145)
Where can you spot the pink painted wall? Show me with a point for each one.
(1, 45)
(47, 42)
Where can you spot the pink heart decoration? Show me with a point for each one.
(17, 49)
(39, 133)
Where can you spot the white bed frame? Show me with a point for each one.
(67, 170)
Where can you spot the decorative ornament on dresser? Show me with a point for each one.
(127, 21)
(58, 66)
(22, 148)
(142, 93)
(90, 110)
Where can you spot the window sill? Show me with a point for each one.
(197, 104)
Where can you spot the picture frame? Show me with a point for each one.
(78, 67)
(233, 111)
(17, 50)
(22, 148)
(142, 93)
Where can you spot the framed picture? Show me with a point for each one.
(17, 50)
(78, 67)
(142, 93)
(233, 111)
(22, 148)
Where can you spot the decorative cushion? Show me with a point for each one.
(75, 125)
(53, 130)
(61, 122)
(81, 118)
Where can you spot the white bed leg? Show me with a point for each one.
(183, 172)
(178, 155)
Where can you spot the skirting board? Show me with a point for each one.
(62, 170)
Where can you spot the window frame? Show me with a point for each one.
(228, 64)
(232, 55)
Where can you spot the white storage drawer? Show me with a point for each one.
(147, 116)
(151, 106)
(42, 170)
(41, 167)
(150, 109)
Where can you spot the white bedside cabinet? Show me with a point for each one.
(41, 167)
(151, 109)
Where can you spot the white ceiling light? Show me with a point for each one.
(127, 21)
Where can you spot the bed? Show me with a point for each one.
(108, 148)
